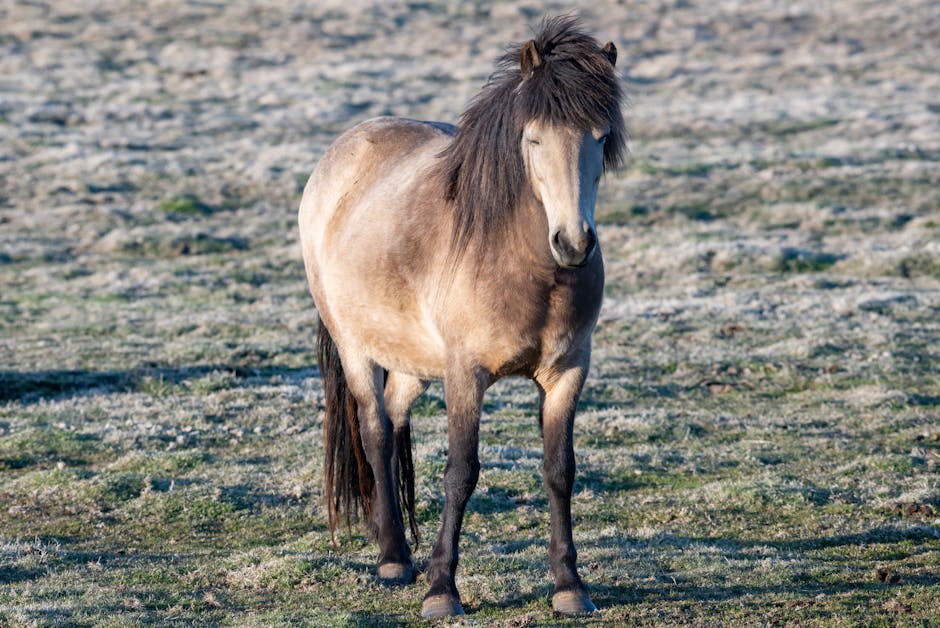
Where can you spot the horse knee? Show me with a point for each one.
(376, 434)
(460, 477)
(558, 478)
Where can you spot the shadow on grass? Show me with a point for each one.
(499, 499)
(606, 595)
(737, 548)
(12, 575)
(244, 497)
(151, 570)
(365, 620)
(916, 399)
(879, 535)
(624, 394)
(35, 386)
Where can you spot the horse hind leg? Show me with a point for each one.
(401, 390)
(365, 381)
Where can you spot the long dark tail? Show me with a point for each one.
(348, 482)
(347, 477)
(406, 479)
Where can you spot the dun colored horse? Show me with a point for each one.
(465, 254)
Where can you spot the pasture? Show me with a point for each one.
(758, 440)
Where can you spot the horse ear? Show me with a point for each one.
(529, 58)
(611, 51)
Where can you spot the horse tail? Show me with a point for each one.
(347, 477)
(406, 478)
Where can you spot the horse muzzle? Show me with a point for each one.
(573, 253)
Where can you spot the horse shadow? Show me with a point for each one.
(607, 594)
(29, 387)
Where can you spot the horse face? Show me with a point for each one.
(564, 166)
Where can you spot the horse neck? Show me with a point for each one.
(515, 253)
(526, 237)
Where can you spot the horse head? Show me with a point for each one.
(572, 110)
(564, 166)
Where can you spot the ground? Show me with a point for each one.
(759, 440)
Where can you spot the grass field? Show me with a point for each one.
(759, 440)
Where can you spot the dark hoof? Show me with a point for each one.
(396, 573)
(440, 606)
(572, 603)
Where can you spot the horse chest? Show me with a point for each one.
(535, 326)
(571, 314)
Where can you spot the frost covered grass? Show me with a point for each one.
(759, 440)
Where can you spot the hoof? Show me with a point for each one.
(440, 606)
(572, 603)
(396, 573)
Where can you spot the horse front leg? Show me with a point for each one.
(463, 391)
(559, 393)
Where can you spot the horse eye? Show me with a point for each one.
(534, 141)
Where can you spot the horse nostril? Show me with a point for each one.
(570, 254)
(590, 241)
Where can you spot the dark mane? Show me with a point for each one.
(573, 85)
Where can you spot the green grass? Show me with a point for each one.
(800, 261)
(185, 205)
(714, 506)
(183, 245)
(919, 265)
(792, 127)
(759, 438)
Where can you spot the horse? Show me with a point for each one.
(465, 254)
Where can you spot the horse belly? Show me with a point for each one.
(381, 305)
(399, 348)
(402, 340)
